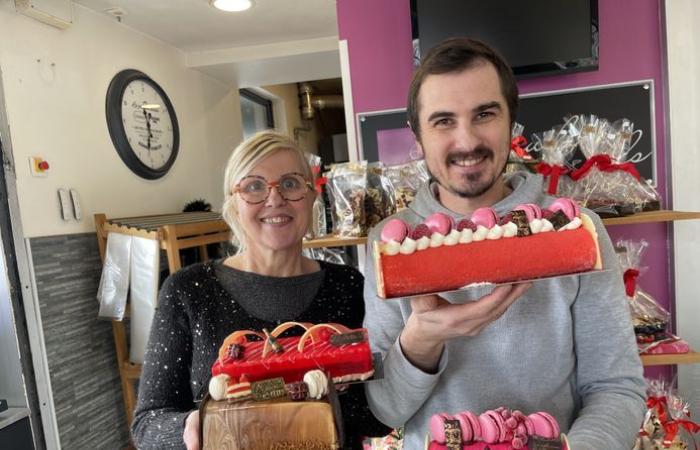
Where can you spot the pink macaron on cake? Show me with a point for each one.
(443, 254)
(498, 429)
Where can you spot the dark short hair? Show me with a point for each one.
(456, 55)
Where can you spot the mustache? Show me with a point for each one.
(478, 152)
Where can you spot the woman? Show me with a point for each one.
(268, 200)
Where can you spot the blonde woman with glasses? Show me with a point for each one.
(269, 196)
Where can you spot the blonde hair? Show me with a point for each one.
(243, 159)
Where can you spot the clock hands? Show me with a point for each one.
(147, 115)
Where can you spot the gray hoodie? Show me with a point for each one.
(566, 347)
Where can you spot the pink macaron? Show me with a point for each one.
(492, 427)
(531, 210)
(567, 206)
(439, 223)
(471, 430)
(486, 217)
(394, 230)
(544, 425)
(437, 426)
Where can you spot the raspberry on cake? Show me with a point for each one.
(438, 256)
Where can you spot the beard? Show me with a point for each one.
(471, 185)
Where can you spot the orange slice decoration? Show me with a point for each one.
(281, 328)
(313, 333)
(237, 337)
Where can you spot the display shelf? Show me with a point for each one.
(652, 217)
(667, 360)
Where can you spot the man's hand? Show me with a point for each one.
(191, 433)
(434, 320)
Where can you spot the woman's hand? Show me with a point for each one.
(191, 433)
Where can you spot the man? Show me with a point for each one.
(563, 345)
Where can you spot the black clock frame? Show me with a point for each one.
(113, 112)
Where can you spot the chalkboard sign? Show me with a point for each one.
(633, 101)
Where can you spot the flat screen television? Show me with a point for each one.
(536, 37)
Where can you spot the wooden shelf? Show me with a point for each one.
(652, 217)
(667, 360)
(334, 241)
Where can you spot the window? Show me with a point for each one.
(256, 112)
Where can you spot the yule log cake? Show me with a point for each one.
(271, 392)
(527, 243)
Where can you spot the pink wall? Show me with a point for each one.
(379, 44)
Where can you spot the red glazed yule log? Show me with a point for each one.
(520, 246)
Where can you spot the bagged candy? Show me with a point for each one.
(606, 183)
(556, 146)
(318, 212)
(347, 185)
(379, 201)
(404, 181)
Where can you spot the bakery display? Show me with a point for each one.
(498, 429)
(270, 390)
(442, 254)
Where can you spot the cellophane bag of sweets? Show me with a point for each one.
(606, 182)
(667, 423)
(379, 201)
(650, 320)
(347, 184)
(318, 215)
(405, 179)
(555, 146)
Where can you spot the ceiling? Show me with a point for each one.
(193, 25)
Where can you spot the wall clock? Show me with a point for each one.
(142, 124)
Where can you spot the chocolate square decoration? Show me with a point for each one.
(268, 389)
(519, 218)
(347, 338)
(453, 435)
(559, 220)
(539, 443)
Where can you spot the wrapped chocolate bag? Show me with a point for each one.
(347, 184)
(667, 423)
(379, 201)
(555, 146)
(318, 212)
(650, 320)
(404, 181)
(606, 182)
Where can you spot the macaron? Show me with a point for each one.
(394, 230)
(470, 426)
(486, 217)
(532, 211)
(439, 223)
(437, 426)
(492, 427)
(544, 425)
(567, 206)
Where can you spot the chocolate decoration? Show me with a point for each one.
(519, 218)
(235, 351)
(297, 391)
(276, 346)
(559, 220)
(347, 338)
(540, 443)
(268, 389)
(453, 435)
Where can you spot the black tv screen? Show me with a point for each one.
(536, 37)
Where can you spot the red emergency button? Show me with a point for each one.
(43, 166)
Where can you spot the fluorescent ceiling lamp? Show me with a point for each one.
(231, 5)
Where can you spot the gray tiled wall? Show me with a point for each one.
(81, 356)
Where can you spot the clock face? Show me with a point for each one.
(142, 124)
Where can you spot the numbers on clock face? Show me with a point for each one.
(147, 124)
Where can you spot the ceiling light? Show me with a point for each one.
(231, 5)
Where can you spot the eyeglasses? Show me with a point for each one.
(255, 189)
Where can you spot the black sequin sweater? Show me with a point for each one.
(202, 304)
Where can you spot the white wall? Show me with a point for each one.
(683, 48)
(55, 84)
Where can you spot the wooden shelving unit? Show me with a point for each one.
(667, 360)
(652, 217)
(333, 241)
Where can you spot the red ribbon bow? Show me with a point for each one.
(673, 427)
(604, 164)
(630, 277)
(552, 171)
(319, 181)
(517, 144)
